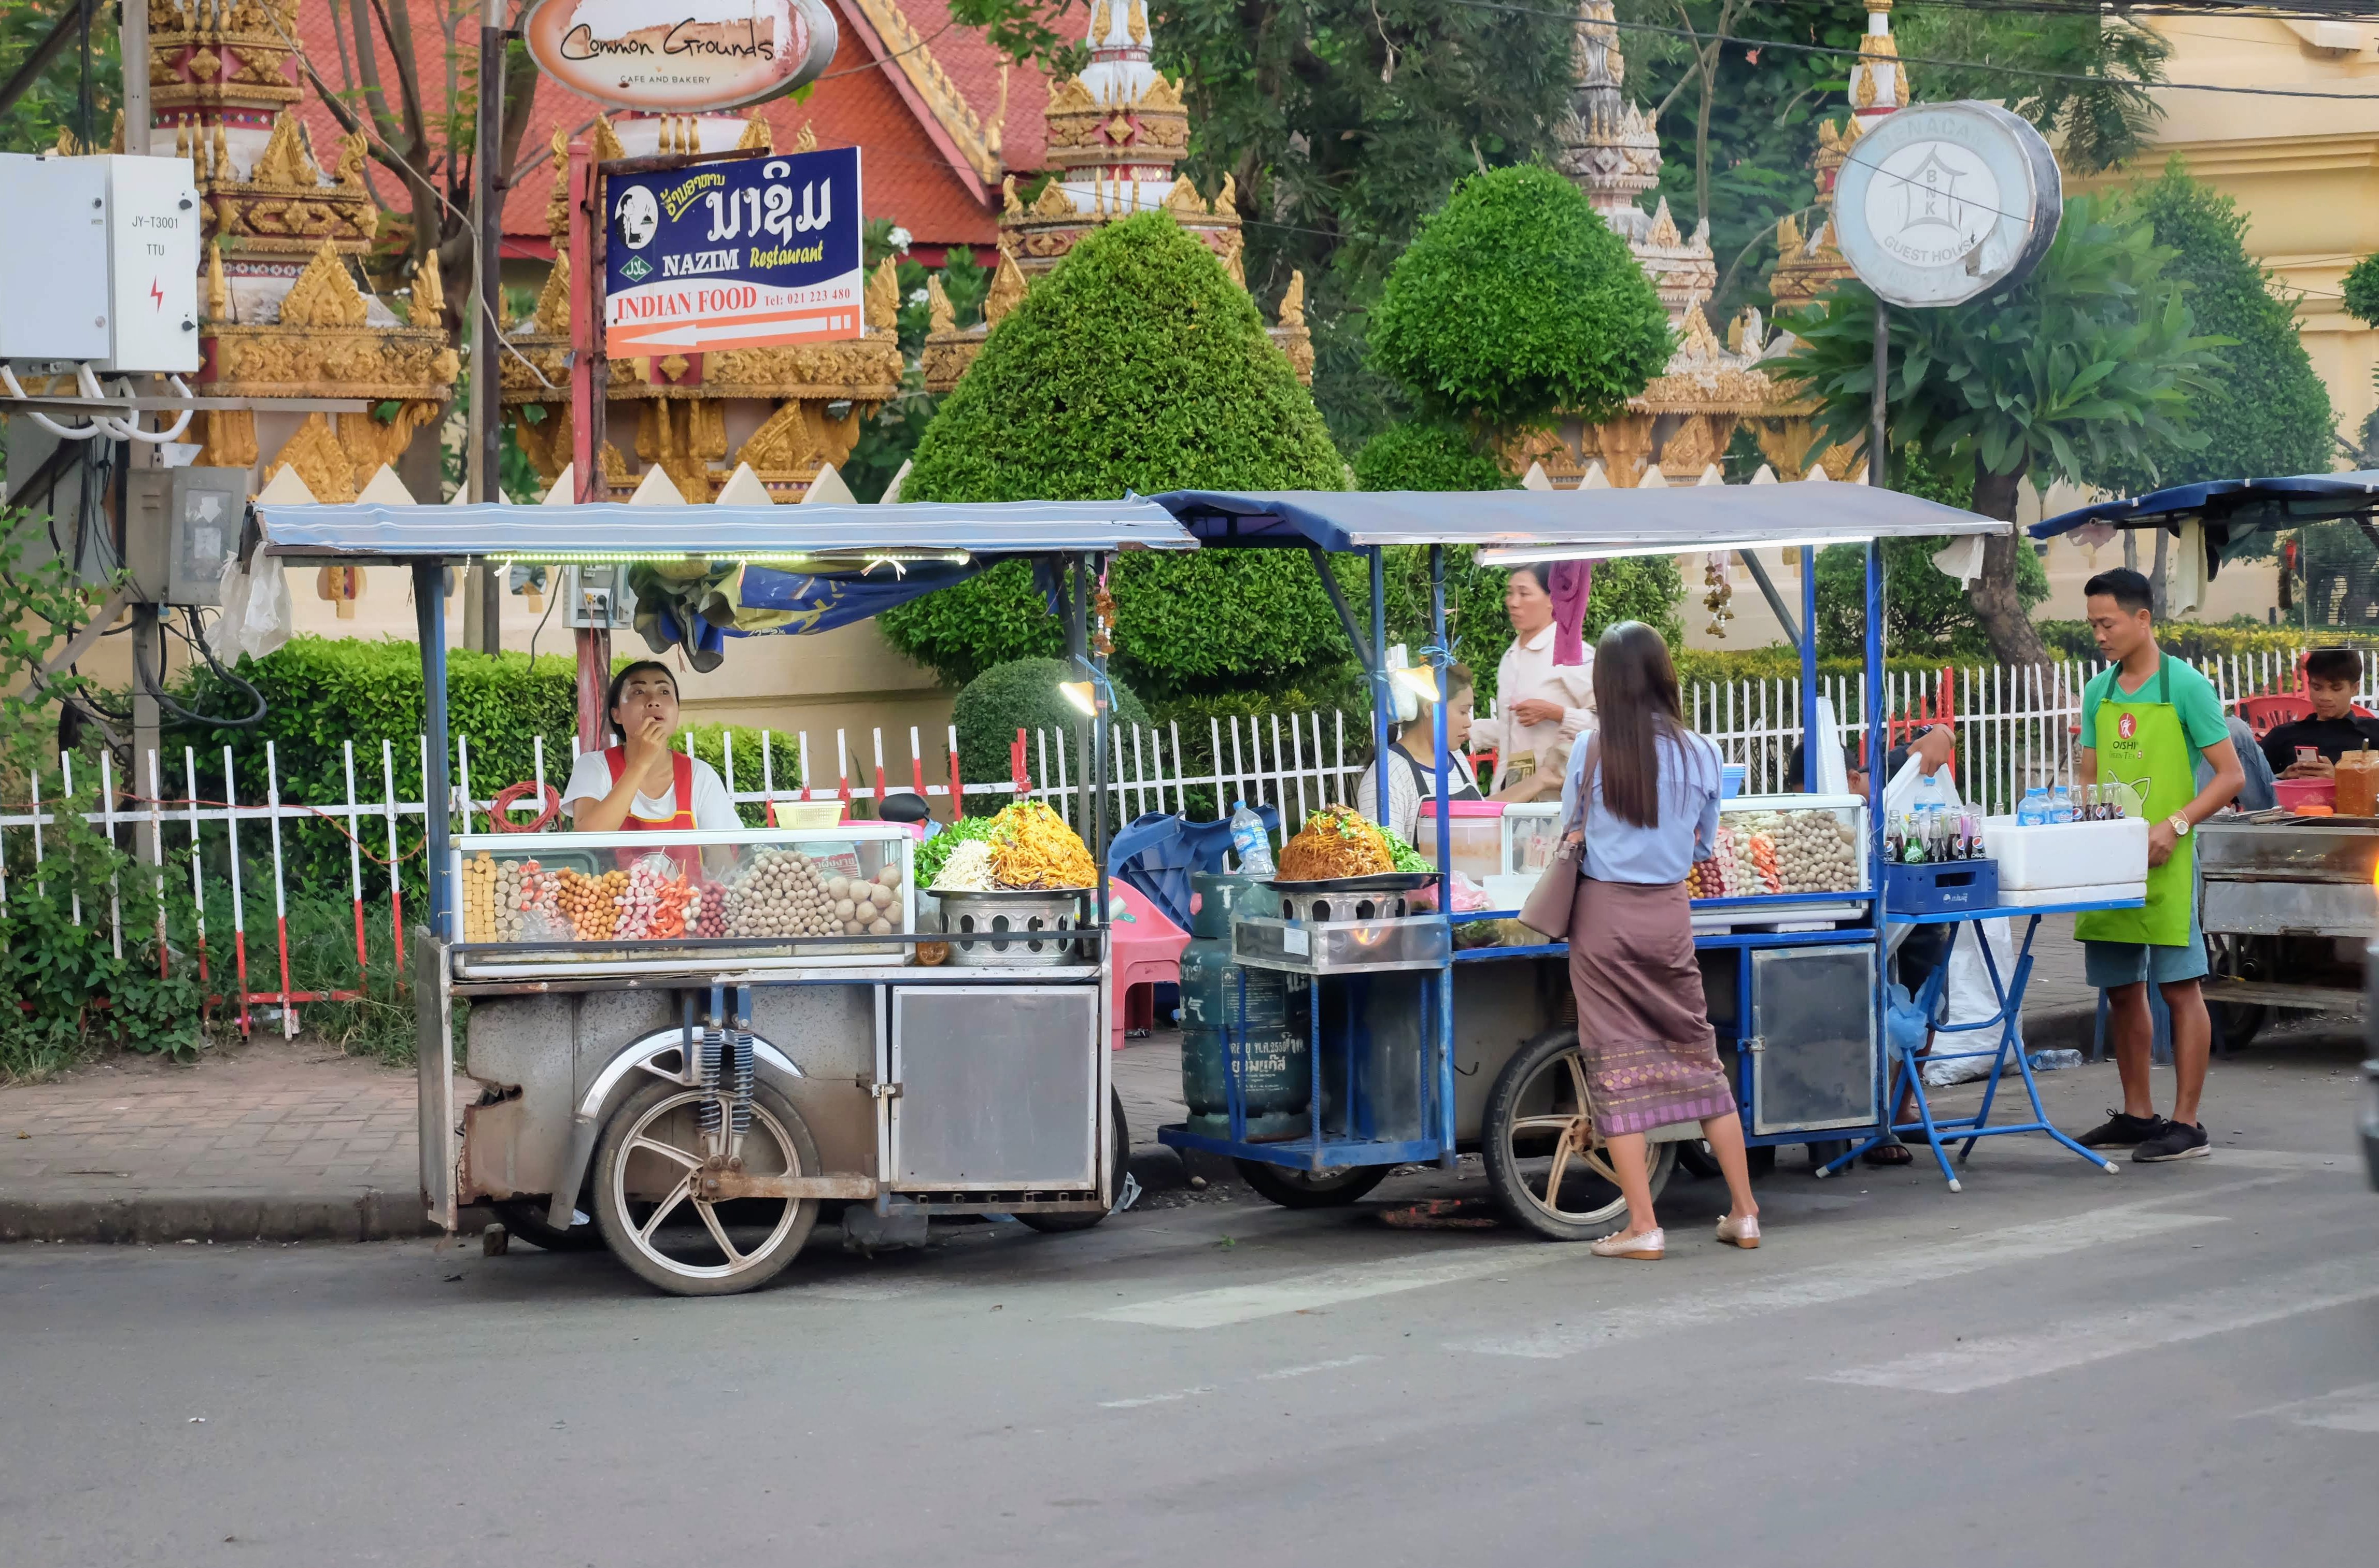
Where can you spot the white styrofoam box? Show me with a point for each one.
(54, 294)
(2094, 893)
(2067, 854)
(1509, 890)
(153, 267)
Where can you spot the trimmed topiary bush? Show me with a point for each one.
(1137, 365)
(1021, 694)
(1428, 456)
(2267, 412)
(1515, 302)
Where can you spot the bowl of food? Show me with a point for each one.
(1011, 887)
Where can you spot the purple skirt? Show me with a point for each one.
(1643, 1028)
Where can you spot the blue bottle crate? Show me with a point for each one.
(1940, 887)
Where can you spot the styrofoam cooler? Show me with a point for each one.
(2062, 856)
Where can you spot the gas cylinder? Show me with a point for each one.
(1275, 1072)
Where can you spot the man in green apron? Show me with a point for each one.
(2146, 720)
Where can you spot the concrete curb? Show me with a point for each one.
(226, 1217)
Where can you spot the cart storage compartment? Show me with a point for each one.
(1000, 1087)
(1812, 1040)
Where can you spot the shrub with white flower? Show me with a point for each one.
(918, 296)
(900, 238)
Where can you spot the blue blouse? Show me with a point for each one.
(1687, 829)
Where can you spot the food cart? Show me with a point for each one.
(2285, 901)
(696, 1076)
(1422, 1047)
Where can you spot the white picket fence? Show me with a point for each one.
(2015, 728)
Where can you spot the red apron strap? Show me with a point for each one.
(616, 759)
(681, 783)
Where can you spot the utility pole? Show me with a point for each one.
(148, 635)
(484, 594)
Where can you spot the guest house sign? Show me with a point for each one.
(680, 57)
(1939, 204)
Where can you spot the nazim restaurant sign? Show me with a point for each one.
(680, 57)
(750, 253)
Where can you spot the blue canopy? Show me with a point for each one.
(1603, 522)
(2237, 507)
(616, 531)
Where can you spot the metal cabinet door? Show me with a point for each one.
(1000, 1087)
(1813, 1048)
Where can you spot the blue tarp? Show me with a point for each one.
(2237, 507)
(1686, 517)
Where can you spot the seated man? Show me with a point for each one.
(2310, 747)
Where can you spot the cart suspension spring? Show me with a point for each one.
(714, 1046)
(740, 1077)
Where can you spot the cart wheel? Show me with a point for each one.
(525, 1217)
(2237, 957)
(1694, 1158)
(1311, 1189)
(1761, 1159)
(1547, 1169)
(1058, 1224)
(688, 1246)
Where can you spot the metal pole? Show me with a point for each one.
(133, 40)
(594, 642)
(1100, 728)
(1809, 737)
(1875, 755)
(1876, 451)
(1442, 656)
(1380, 709)
(429, 618)
(486, 295)
(148, 639)
(1078, 644)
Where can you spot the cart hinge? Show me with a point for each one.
(881, 1090)
(1755, 1042)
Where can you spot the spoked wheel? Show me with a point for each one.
(1548, 1168)
(525, 1218)
(2237, 958)
(647, 1169)
(1058, 1223)
(1311, 1189)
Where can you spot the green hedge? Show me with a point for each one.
(1424, 456)
(1021, 694)
(321, 693)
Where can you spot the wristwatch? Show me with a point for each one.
(2178, 824)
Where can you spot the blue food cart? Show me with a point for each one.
(1418, 1046)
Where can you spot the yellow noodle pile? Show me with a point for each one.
(1031, 846)
(1335, 842)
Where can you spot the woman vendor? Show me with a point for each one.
(638, 783)
(1412, 759)
(1544, 686)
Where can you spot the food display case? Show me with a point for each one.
(1770, 846)
(762, 899)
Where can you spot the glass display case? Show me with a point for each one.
(1768, 846)
(770, 896)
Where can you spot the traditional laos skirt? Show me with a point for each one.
(1651, 1059)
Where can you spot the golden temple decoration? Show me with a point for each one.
(319, 460)
(324, 296)
(805, 140)
(883, 306)
(1006, 291)
(1296, 338)
(911, 54)
(940, 317)
(218, 291)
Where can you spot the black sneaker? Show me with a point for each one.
(2174, 1140)
(2121, 1131)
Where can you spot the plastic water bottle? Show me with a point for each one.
(2060, 805)
(1249, 843)
(2034, 811)
(2052, 1061)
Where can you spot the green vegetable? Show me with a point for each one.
(1405, 857)
(934, 853)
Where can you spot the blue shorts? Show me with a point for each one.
(2128, 963)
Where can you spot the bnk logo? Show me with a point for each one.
(635, 268)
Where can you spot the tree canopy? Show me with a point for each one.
(1516, 302)
(2074, 370)
(1136, 365)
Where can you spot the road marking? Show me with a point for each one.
(1831, 1282)
(1278, 1375)
(2280, 1159)
(1996, 1360)
(1156, 1399)
(1299, 1293)
(2341, 1410)
(1312, 1367)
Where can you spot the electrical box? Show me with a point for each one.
(596, 598)
(109, 273)
(182, 526)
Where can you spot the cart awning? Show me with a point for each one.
(1545, 524)
(618, 532)
(2231, 509)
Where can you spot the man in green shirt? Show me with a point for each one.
(2146, 720)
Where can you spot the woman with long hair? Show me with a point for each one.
(1650, 791)
(1541, 704)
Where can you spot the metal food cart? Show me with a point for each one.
(719, 1048)
(1422, 1048)
(2284, 900)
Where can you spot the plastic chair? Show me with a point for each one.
(2267, 713)
(1147, 953)
(1156, 853)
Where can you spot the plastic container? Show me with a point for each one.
(2066, 854)
(2292, 793)
(2034, 811)
(1530, 833)
(1731, 779)
(1941, 886)
(1475, 830)
(1249, 844)
(2358, 784)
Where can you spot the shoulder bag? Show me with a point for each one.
(1547, 911)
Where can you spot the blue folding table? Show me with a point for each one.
(1907, 1064)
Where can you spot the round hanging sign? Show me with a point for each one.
(1943, 202)
(680, 57)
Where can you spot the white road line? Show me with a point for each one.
(1313, 1368)
(1156, 1399)
(1278, 1375)
(1999, 1359)
(1825, 1284)
(1297, 1292)
(2340, 1410)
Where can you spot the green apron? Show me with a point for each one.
(2142, 743)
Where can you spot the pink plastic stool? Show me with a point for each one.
(1147, 952)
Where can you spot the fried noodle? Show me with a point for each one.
(1031, 846)
(1335, 842)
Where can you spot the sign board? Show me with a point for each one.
(746, 253)
(1939, 204)
(680, 57)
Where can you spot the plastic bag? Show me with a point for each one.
(1969, 1000)
(258, 615)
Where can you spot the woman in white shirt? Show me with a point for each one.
(1542, 707)
(639, 784)
(1412, 758)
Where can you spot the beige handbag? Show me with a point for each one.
(1547, 911)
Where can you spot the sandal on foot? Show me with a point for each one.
(1645, 1247)
(1892, 1153)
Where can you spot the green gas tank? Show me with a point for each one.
(1277, 1073)
(1210, 981)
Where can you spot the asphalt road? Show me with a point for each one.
(2176, 1365)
